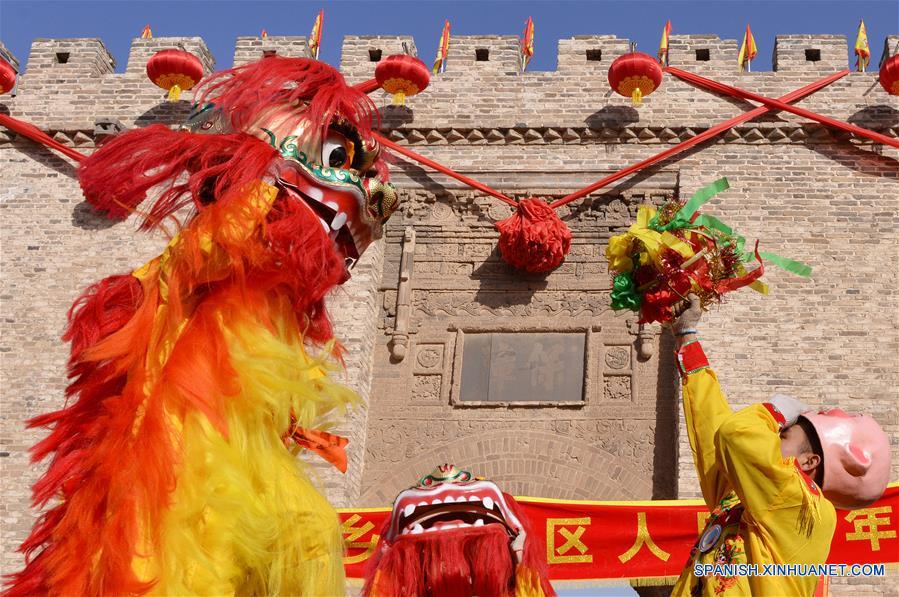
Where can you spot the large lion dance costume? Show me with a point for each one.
(460, 535)
(196, 378)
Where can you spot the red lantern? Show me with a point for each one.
(635, 75)
(7, 77)
(174, 71)
(889, 75)
(402, 75)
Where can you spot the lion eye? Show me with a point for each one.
(337, 151)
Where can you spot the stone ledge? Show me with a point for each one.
(761, 135)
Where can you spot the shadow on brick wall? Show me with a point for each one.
(612, 116)
(876, 117)
(165, 113)
(396, 116)
(866, 159)
(664, 455)
(46, 157)
(85, 217)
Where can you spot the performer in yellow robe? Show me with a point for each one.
(757, 469)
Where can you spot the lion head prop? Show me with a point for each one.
(456, 534)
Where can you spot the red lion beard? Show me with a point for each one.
(460, 562)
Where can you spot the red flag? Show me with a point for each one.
(527, 43)
(442, 50)
(315, 38)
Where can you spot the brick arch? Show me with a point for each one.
(533, 463)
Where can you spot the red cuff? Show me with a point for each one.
(781, 420)
(691, 358)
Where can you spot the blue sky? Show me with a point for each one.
(219, 22)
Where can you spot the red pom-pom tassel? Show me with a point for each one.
(534, 238)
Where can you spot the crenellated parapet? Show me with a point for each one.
(5, 54)
(482, 97)
(249, 49)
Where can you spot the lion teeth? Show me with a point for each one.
(437, 501)
(417, 529)
(474, 498)
(338, 221)
(408, 510)
(488, 503)
(479, 522)
(449, 500)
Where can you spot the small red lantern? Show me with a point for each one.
(174, 71)
(7, 77)
(635, 75)
(889, 75)
(402, 75)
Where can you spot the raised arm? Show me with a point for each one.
(705, 406)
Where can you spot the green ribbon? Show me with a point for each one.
(790, 265)
(726, 234)
(624, 293)
(682, 218)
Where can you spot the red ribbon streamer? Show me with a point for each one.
(773, 103)
(715, 130)
(441, 168)
(30, 131)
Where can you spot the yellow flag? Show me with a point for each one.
(748, 50)
(147, 33)
(862, 49)
(663, 45)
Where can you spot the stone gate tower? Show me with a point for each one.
(530, 380)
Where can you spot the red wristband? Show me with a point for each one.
(691, 358)
(778, 416)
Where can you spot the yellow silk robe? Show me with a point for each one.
(766, 510)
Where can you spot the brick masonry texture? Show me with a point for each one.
(827, 199)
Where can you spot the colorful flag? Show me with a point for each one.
(663, 45)
(146, 33)
(862, 49)
(747, 51)
(527, 43)
(315, 38)
(264, 34)
(442, 50)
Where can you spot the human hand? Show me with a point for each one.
(518, 546)
(688, 316)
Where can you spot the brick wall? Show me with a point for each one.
(829, 200)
